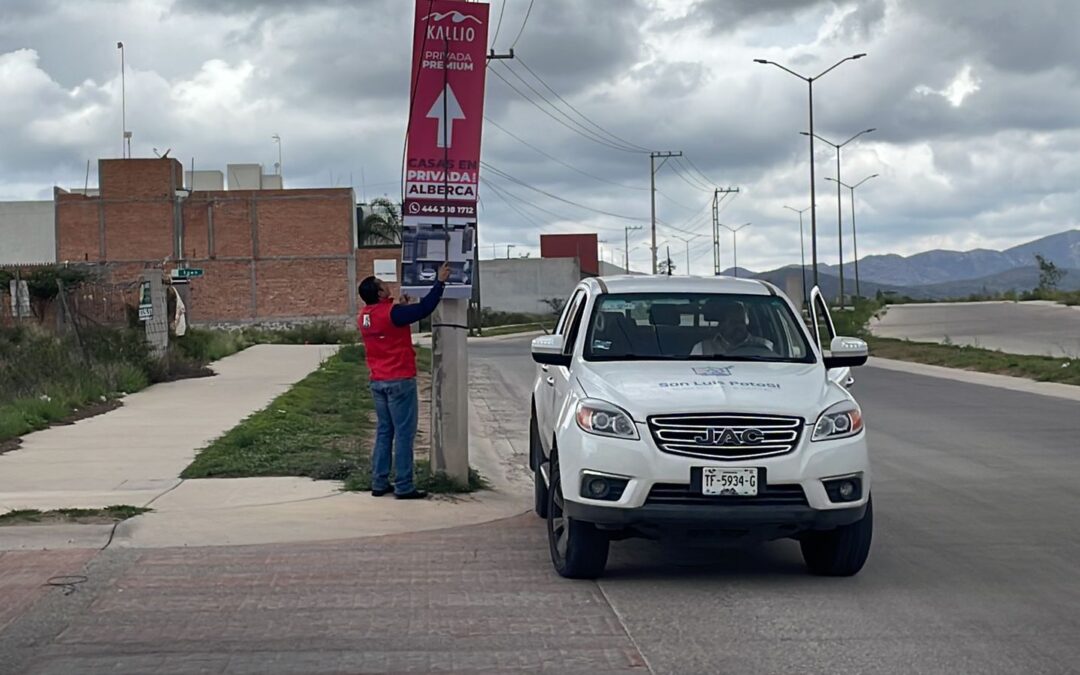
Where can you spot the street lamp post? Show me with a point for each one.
(839, 206)
(508, 247)
(810, 85)
(687, 240)
(802, 248)
(626, 243)
(277, 139)
(854, 235)
(735, 244)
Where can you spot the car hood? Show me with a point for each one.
(645, 388)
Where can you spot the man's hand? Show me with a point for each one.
(404, 299)
(444, 272)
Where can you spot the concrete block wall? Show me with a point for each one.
(521, 284)
(27, 232)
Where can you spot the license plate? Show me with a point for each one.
(733, 482)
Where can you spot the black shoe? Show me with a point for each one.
(415, 494)
(383, 491)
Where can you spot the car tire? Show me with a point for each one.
(578, 550)
(841, 552)
(536, 460)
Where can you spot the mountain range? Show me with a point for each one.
(940, 274)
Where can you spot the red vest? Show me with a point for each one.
(389, 348)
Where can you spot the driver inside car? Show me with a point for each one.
(732, 331)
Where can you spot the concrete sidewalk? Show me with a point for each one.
(222, 512)
(134, 454)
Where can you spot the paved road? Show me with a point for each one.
(974, 570)
(1038, 328)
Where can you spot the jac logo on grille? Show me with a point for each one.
(722, 436)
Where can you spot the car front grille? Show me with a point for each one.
(726, 436)
(673, 494)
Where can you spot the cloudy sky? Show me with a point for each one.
(975, 104)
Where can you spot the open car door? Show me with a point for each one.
(824, 331)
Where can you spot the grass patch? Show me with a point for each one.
(109, 514)
(1040, 368)
(321, 428)
(437, 483)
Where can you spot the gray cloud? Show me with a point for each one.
(731, 14)
(976, 144)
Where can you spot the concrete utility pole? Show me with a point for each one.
(626, 235)
(719, 195)
(653, 156)
(450, 356)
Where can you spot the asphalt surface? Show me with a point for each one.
(973, 570)
(1042, 329)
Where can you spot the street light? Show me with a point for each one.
(802, 248)
(626, 243)
(688, 240)
(734, 244)
(839, 218)
(508, 247)
(277, 139)
(813, 201)
(854, 236)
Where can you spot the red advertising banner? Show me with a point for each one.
(442, 169)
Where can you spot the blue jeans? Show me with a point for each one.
(396, 407)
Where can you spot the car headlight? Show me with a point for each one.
(605, 419)
(840, 421)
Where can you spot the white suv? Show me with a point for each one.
(701, 407)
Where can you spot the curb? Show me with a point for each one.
(1020, 384)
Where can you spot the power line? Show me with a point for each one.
(589, 136)
(580, 114)
(686, 179)
(573, 125)
(498, 26)
(559, 216)
(556, 159)
(518, 181)
(523, 24)
(705, 185)
(708, 180)
(498, 193)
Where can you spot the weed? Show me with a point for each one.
(108, 514)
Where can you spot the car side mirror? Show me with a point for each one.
(846, 352)
(548, 350)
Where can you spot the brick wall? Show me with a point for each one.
(365, 263)
(273, 255)
(81, 233)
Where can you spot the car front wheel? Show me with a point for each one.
(578, 550)
(841, 552)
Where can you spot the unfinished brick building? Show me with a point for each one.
(269, 256)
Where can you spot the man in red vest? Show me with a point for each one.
(384, 327)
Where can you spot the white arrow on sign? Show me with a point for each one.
(446, 116)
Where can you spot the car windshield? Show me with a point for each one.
(695, 326)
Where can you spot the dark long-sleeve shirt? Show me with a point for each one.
(403, 315)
